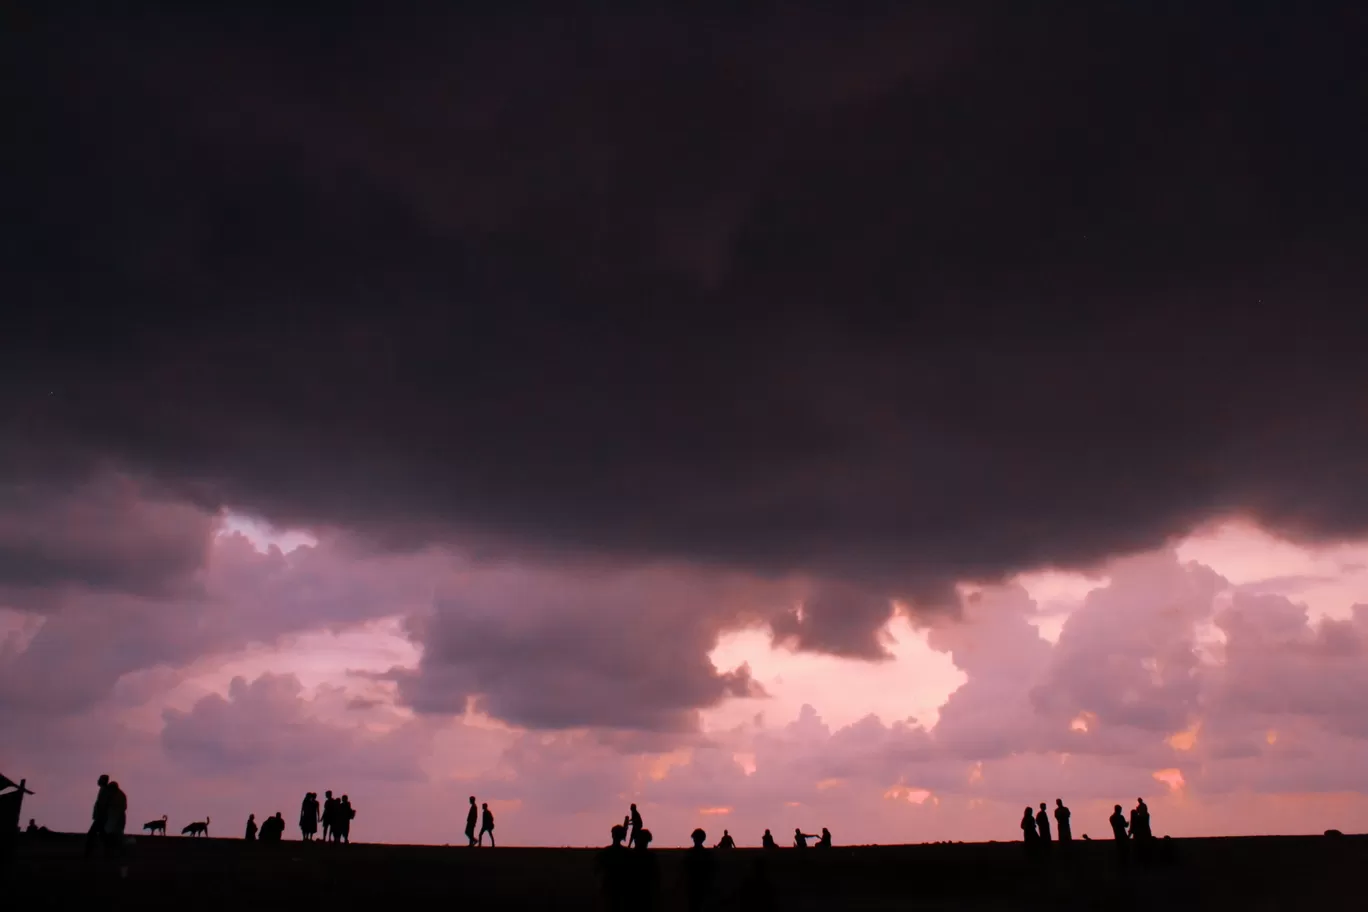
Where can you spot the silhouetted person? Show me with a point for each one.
(1140, 820)
(1119, 834)
(472, 818)
(726, 842)
(95, 834)
(825, 841)
(1062, 826)
(610, 866)
(308, 816)
(644, 872)
(698, 870)
(251, 833)
(329, 816)
(635, 819)
(800, 838)
(767, 841)
(32, 828)
(1028, 828)
(486, 824)
(345, 815)
(116, 818)
(1043, 825)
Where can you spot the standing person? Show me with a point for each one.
(487, 825)
(1043, 825)
(1062, 826)
(329, 816)
(1118, 825)
(635, 819)
(116, 818)
(97, 816)
(308, 816)
(251, 833)
(698, 871)
(472, 816)
(345, 814)
(1028, 831)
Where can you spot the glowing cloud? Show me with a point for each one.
(1173, 778)
(715, 812)
(910, 795)
(1186, 739)
(1083, 722)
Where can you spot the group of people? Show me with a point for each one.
(108, 818)
(271, 829)
(335, 814)
(1035, 825)
(486, 820)
(630, 876)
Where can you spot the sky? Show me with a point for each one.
(880, 421)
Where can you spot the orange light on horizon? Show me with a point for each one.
(1272, 736)
(827, 784)
(715, 812)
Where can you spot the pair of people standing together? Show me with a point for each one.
(1035, 827)
(486, 824)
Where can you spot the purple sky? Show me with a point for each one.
(881, 422)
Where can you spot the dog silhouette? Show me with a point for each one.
(154, 826)
(198, 828)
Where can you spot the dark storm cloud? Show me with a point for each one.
(890, 300)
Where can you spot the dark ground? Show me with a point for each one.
(180, 873)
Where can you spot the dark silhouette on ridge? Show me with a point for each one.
(308, 816)
(1119, 834)
(198, 828)
(1028, 830)
(487, 824)
(251, 833)
(610, 867)
(95, 834)
(329, 816)
(156, 826)
(800, 838)
(1063, 830)
(345, 814)
(726, 842)
(767, 841)
(1043, 825)
(825, 841)
(634, 818)
(698, 871)
(472, 817)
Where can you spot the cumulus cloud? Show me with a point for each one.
(884, 346)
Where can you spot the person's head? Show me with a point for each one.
(1042, 805)
(279, 816)
(472, 799)
(251, 817)
(634, 807)
(345, 798)
(1029, 812)
(102, 781)
(767, 832)
(113, 786)
(328, 794)
(619, 833)
(724, 833)
(1118, 809)
(1059, 802)
(1141, 800)
(643, 839)
(485, 805)
(698, 837)
(825, 831)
